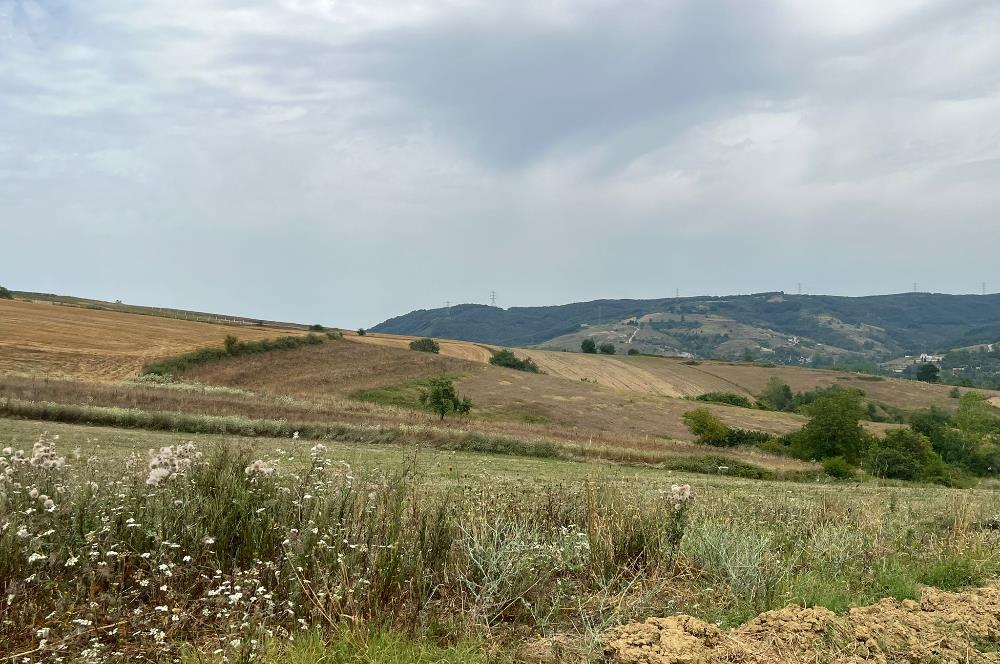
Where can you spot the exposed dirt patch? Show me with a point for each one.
(941, 627)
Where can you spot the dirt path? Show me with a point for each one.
(942, 627)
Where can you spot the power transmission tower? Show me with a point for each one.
(493, 298)
(677, 293)
(984, 288)
(914, 287)
(800, 288)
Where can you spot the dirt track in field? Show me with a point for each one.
(67, 341)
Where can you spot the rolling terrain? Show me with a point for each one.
(52, 339)
(566, 524)
(778, 327)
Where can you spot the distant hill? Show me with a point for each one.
(789, 329)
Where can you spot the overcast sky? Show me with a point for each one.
(343, 162)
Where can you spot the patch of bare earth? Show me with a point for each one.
(942, 627)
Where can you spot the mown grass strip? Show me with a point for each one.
(459, 441)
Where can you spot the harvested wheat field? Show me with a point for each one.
(59, 340)
(462, 350)
(942, 627)
(564, 407)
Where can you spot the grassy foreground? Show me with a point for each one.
(275, 550)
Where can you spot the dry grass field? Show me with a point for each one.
(57, 340)
(553, 405)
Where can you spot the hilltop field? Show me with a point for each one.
(300, 504)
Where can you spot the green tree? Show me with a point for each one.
(440, 397)
(834, 428)
(362, 332)
(974, 417)
(707, 428)
(928, 373)
(903, 454)
(588, 346)
(425, 345)
(777, 394)
(5, 294)
(633, 351)
(608, 349)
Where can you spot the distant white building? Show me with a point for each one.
(925, 358)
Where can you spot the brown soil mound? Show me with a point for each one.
(941, 627)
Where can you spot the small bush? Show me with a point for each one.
(608, 349)
(707, 428)
(316, 327)
(633, 351)
(506, 358)
(362, 332)
(588, 346)
(955, 393)
(5, 294)
(729, 398)
(425, 345)
(837, 467)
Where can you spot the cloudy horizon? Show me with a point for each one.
(346, 162)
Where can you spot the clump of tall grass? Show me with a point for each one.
(213, 546)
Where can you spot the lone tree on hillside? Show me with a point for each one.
(777, 394)
(5, 294)
(835, 428)
(440, 397)
(588, 346)
(608, 349)
(928, 373)
(426, 345)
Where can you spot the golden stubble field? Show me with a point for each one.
(66, 341)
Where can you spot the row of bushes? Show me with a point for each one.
(936, 447)
(710, 430)
(232, 347)
(728, 398)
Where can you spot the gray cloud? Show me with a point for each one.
(346, 162)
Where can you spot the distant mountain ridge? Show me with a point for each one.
(787, 328)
